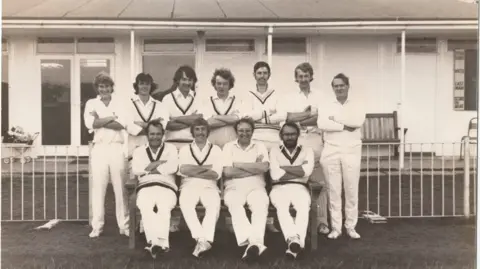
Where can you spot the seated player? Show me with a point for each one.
(246, 162)
(156, 164)
(290, 167)
(200, 167)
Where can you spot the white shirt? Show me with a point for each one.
(216, 106)
(209, 155)
(179, 105)
(297, 102)
(281, 156)
(266, 106)
(138, 111)
(141, 159)
(232, 153)
(114, 108)
(351, 113)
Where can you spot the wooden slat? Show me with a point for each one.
(380, 127)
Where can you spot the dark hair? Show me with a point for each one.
(200, 122)
(188, 71)
(304, 67)
(155, 123)
(225, 74)
(102, 78)
(290, 124)
(144, 78)
(344, 78)
(261, 64)
(246, 120)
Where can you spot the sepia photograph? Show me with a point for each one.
(239, 134)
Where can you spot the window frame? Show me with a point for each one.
(75, 46)
(286, 38)
(415, 42)
(252, 40)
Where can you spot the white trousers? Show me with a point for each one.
(342, 164)
(108, 163)
(257, 200)
(282, 196)
(315, 142)
(210, 199)
(156, 224)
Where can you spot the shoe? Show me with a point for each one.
(125, 232)
(155, 249)
(294, 245)
(334, 234)
(251, 253)
(290, 255)
(95, 233)
(353, 234)
(323, 229)
(201, 247)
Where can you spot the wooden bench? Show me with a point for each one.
(312, 235)
(471, 134)
(382, 128)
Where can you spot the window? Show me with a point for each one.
(70, 45)
(5, 88)
(230, 45)
(95, 45)
(166, 45)
(465, 80)
(56, 45)
(418, 45)
(462, 44)
(290, 45)
(162, 57)
(56, 106)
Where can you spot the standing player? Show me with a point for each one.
(341, 120)
(290, 168)
(104, 115)
(301, 108)
(222, 109)
(200, 168)
(182, 108)
(156, 163)
(143, 109)
(246, 162)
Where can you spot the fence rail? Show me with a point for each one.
(434, 182)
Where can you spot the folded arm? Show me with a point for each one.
(298, 116)
(253, 168)
(204, 171)
(222, 120)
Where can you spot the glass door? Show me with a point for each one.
(87, 68)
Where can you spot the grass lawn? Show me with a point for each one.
(414, 243)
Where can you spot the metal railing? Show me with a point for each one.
(53, 185)
(433, 183)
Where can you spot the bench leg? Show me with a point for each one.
(133, 221)
(313, 226)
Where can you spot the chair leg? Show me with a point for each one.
(133, 221)
(461, 147)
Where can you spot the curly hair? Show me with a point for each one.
(103, 78)
(225, 74)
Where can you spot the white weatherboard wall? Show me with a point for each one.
(371, 62)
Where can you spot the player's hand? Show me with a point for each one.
(272, 111)
(159, 119)
(152, 166)
(259, 159)
(331, 117)
(308, 109)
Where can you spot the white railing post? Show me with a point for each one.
(466, 178)
(90, 145)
